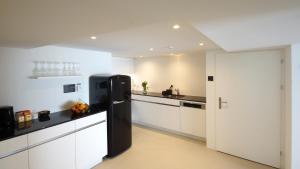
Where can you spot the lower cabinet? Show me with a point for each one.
(193, 121)
(157, 115)
(16, 161)
(183, 120)
(79, 144)
(91, 146)
(56, 154)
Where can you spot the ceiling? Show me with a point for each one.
(131, 27)
(136, 42)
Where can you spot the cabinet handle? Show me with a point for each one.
(118, 102)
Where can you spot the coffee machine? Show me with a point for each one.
(7, 117)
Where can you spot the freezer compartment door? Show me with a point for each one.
(120, 88)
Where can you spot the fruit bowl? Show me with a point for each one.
(80, 108)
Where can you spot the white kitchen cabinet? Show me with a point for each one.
(56, 154)
(78, 144)
(183, 117)
(152, 99)
(91, 146)
(156, 115)
(13, 145)
(193, 121)
(16, 161)
(50, 133)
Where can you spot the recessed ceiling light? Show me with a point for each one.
(151, 49)
(93, 37)
(141, 56)
(201, 44)
(171, 47)
(176, 26)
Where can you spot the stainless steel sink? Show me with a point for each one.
(177, 96)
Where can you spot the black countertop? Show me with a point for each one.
(184, 97)
(35, 125)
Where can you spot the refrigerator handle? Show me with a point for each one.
(118, 102)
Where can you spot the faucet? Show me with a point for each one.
(177, 91)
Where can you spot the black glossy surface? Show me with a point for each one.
(114, 93)
(119, 115)
(35, 125)
(180, 97)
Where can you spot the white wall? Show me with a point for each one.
(18, 90)
(211, 100)
(123, 66)
(185, 72)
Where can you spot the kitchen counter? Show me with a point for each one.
(185, 97)
(35, 125)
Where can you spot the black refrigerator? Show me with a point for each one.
(114, 94)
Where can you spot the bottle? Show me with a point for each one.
(171, 88)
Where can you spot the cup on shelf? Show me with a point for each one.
(43, 71)
(56, 69)
(35, 71)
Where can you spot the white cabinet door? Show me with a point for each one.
(193, 121)
(16, 161)
(50, 133)
(12, 145)
(157, 115)
(91, 146)
(57, 154)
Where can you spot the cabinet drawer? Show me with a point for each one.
(16, 161)
(156, 115)
(13, 145)
(90, 120)
(50, 133)
(56, 154)
(173, 102)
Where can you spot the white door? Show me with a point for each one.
(248, 109)
(91, 146)
(57, 154)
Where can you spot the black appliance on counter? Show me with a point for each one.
(114, 93)
(7, 117)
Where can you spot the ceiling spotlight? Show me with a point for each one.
(141, 56)
(201, 44)
(171, 47)
(93, 37)
(151, 49)
(176, 26)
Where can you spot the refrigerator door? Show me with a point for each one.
(119, 116)
(120, 88)
(121, 128)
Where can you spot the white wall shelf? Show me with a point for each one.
(54, 77)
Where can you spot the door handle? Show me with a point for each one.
(118, 102)
(221, 102)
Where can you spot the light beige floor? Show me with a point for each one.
(156, 150)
